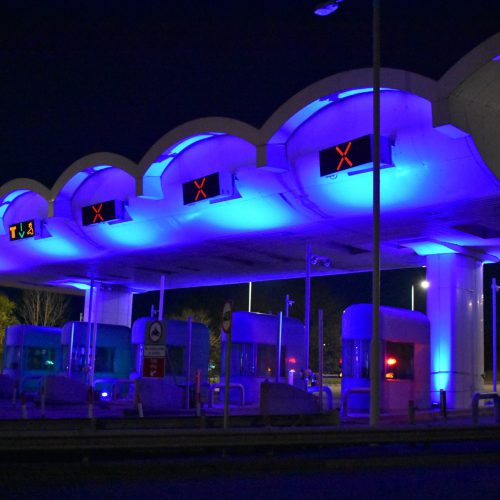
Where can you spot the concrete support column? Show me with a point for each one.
(114, 306)
(455, 310)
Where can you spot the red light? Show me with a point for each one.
(343, 156)
(97, 217)
(292, 360)
(200, 189)
(391, 361)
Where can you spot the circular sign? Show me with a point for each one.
(227, 316)
(155, 331)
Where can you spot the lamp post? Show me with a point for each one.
(423, 284)
(494, 291)
(324, 9)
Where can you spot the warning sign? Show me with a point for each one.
(154, 332)
(153, 368)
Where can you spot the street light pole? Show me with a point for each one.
(324, 9)
(375, 344)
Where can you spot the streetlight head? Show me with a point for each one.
(326, 8)
(425, 284)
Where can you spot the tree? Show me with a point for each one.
(7, 318)
(43, 308)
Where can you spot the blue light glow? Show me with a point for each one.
(181, 146)
(429, 247)
(157, 168)
(132, 234)
(259, 213)
(365, 90)
(100, 167)
(399, 187)
(15, 194)
(78, 286)
(496, 58)
(299, 118)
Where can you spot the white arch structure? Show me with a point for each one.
(439, 191)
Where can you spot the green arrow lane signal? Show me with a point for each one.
(21, 232)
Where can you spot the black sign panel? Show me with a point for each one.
(201, 189)
(99, 212)
(22, 230)
(346, 155)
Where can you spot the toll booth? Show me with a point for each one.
(254, 352)
(30, 352)
(113, 359)
(404, 358)
(166, 348)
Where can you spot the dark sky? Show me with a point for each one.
(80, 77)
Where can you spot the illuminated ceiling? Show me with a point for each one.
(216, 201)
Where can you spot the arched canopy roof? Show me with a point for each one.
(254, 223)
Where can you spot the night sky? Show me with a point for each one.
(81, 77)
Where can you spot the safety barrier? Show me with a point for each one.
(222, 386)
(354, 390)
(485, 395)
(327, 391)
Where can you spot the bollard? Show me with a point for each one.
(197, 385)
(139, 409)
(442, 402)
(90, 395)
(23, 407)
(411, 411)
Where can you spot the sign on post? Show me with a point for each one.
(227, 316)
(154, 362)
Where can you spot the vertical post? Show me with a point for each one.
(188, 374)
(249, 296)
(89, 325)
(413, 297)
(162, 297)
(94, 339)
(442, 402)
(287, 304)
(375, 344)
(71, 341)
(320, 357)
(280, 333)
(228, 372)
(494, 290)
(307, 304)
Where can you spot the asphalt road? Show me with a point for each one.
(455, 470)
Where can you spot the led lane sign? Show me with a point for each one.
(22, 230)
(352, 154)
(201, 189)
(101, 212)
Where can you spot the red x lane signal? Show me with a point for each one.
(201, 189)
(347, 155)
(102, 212)
(343, 155)
(97, 211)
(199, 186)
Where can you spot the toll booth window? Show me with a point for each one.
(41, 358)
(242, 358)
(266, 360)
(174, 362)
(105, 359)
(356, 358)
(399, 360)
(77, 361)
(12, 357)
